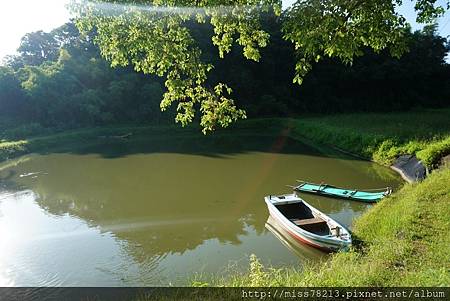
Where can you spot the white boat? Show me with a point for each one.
(306, 224)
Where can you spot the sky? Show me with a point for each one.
(18, 17)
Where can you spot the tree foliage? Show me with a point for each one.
(152, 36)
(155, 40)
(343, 28)
(80, 89)
(76, 89)
(12, 97)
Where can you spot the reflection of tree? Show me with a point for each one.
(333, 205)
(381, 172)
(154, 227)
(211, 146)
(143, 204)
(189, 190)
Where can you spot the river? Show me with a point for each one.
(163, 211)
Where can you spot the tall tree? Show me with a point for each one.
(37, 47)
(155, 40)
(80, 88)
(12, 98)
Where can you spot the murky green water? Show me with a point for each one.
(160, 212)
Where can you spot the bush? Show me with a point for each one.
(12, 149)
(431, 155)
(383, 137)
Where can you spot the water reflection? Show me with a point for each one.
(38, 249)
(140, 217)
(303, 251)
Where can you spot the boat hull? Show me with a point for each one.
(301, 238)
(341, 193)
(327, 244)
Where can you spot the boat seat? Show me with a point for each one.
(308, 221)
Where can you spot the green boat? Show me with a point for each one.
(368, 196)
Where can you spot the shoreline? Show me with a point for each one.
(392, 218)
(402, 174)
(62, 140)
(399, 170)
(393, 247)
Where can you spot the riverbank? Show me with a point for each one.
(377, 137)
(383, 137)
(402, 241)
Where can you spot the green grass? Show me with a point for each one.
(383, 137)
(403, 242)
(432, 153)
(405, 125)
(12, 149)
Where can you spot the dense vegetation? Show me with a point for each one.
(154, 37)
(382, 137)
(58, 80)
(74, 88)
(403, 242)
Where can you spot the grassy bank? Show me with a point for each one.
(383, 137)
(379, 137)
(403, 241)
